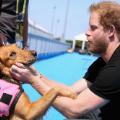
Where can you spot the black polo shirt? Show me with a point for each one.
(106, 84)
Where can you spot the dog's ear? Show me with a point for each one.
(3, 57)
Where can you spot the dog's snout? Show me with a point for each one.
(34, 53)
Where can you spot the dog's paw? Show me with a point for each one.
(65, 92)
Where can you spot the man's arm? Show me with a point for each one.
(77, 87)
(80, 85)
(72, 108)
(86, 102)
(21, 73)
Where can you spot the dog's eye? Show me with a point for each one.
(13, 55)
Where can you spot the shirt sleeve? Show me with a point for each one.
(107, 83)
(94, 70)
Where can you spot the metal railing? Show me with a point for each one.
(45, 47)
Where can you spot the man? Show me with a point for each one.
(13, 19)
(100, 87)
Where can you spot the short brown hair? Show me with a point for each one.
(109, 13)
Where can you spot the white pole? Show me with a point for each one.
(83, 45)
(73, 45)
(53, 19)
(66, 18)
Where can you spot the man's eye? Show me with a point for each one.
(93, 28)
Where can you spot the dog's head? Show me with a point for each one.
(11, 54)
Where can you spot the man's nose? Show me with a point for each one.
(88, 32)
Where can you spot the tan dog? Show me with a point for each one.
(24, 109)
(11, 54)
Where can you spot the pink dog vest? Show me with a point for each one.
(9, 94)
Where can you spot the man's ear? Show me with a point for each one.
(112, 30)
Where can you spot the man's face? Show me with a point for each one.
(97, 37)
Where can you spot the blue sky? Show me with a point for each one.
(50, 14)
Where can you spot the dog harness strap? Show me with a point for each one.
(15, 101)
(8, 93)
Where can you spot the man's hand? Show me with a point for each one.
(23, 73)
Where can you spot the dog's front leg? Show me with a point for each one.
(27, 110)
(33, 110)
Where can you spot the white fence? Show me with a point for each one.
(46, 47)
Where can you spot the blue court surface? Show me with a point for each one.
(67, 69)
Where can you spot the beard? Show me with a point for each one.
(97, 47)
